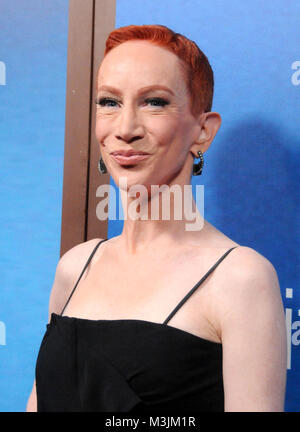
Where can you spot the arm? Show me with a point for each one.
(59, 286)
(67, 271)
(253, 336)
(32, 402)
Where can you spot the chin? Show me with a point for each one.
(126, 180)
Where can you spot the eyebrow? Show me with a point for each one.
(141, 90)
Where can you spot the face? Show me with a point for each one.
(143, 105)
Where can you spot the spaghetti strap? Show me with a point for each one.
(87, 263)
(197, 285)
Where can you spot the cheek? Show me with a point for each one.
(184, 131)
(101, 131)
(165, 131)
(175, 137)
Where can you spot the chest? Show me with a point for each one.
(149, 290)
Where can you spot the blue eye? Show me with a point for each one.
(158, 101)
(104, 101)
(107, 102)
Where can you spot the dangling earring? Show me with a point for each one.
(197, 168)
(101, 166)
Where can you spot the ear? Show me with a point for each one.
(209, 123)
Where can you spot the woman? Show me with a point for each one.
(133, 335)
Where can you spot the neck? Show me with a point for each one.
(161, 216)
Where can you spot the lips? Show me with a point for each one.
(128, 153)
(129, 157)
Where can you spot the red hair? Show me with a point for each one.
(196, 69)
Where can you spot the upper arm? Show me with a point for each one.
(67, 272)
(32, 402)
(58, 293)
(253, 336)
(61, 287)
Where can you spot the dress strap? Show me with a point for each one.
(197, 285)
(85, 267)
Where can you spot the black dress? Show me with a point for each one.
(127, 365)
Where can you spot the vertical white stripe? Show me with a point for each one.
(2, 73)
(288, 322)
(2, 333)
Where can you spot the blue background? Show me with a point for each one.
(251, 172)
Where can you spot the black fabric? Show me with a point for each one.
(127, 365)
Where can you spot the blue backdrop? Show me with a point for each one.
(251, 173)
(33, 47)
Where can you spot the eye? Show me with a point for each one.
(105, 101)
(157, 101)
(108, 102)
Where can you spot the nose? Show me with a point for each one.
(129, 127)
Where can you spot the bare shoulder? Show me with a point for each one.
(251, 324)
(248, 283)
(255, 272)
(72, 260)
(67, 272)
(244, 269)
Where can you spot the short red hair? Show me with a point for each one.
(197, 71)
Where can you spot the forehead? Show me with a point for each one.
(145, 62)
